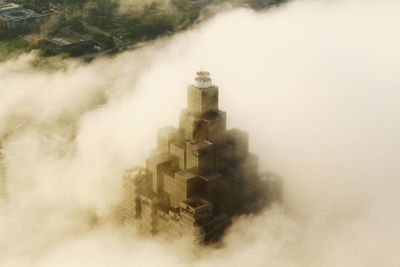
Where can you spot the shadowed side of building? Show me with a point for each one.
(200, 176)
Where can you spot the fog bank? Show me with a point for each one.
(316, 85)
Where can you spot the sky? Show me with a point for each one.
(316, 85)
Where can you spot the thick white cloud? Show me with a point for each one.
(314, 82)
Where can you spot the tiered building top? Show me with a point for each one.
(200, 175)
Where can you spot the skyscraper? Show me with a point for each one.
(200, 175)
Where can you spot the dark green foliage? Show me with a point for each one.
(100, 13)
(56, 25)
(75, 3)
(262, 4)
(80, 50)
(37, 5)
(13, 46)
(77, 25)
(148, 22)
(148, 25)
(106, 41)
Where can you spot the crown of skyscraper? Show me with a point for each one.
(203, 79)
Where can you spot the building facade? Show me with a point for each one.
(14, 18)
(199, 177)
(68, 43)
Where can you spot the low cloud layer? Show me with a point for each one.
(316, 85)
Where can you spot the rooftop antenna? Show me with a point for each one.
(202, 73)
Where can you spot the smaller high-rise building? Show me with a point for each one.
(199, 177)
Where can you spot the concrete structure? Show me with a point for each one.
(200, 175)
(14, 18)
(67, 43)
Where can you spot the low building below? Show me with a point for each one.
(14, 18)
(68, 43)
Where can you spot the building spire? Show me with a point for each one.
(203, 73)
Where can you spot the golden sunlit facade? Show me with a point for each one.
(200, 175)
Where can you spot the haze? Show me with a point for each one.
(316, 85)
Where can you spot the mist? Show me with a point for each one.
(316, 85)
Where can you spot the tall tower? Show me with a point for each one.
(200, 175)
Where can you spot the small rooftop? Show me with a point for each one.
(14, 12)
(69, 40)
(211, 176)
(135, 171)
(203, 79)
(200, 144)
(185, 175)
(195, 202)
(6, 7)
